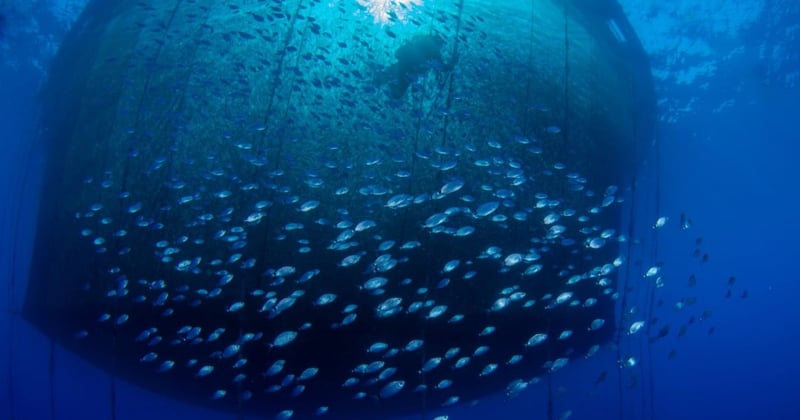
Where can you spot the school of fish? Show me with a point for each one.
(291, 238)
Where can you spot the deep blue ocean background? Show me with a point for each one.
(726, 155)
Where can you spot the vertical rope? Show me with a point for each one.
(11, 316)
(10, 372)
(632, 223)
(652, 297)
(123, 188)
(51, 370)
(239, 400)
(240, 317)
(550, 412)
(453, 60)
(423, 358)
(624, 300)
(424, 351)
(276, 81)
(529, 81)
(550, 396)
(565, 125)
(12, 278)
(113, 385)
(179, 109)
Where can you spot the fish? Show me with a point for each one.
(601, 377)
(685, 222)
(2, 24)
(660, 222)
(662, 332)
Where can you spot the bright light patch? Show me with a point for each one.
(385, 10)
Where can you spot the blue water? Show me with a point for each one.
(726, 156)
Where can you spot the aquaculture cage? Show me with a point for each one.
(373, 207)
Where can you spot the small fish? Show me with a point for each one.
(444, 384)
(166, 365)
(652, 271)
(308, 206)
(500, 304)
(435, 220)
(375, 283)
(437, 311)
(234, 307)
(413, 345)
(451, 265)
(391, 389)
(308, 373)
(601, 378)
(349, 382)
(231, 351)
(452, 352)
(364, 225)
(325, 299)
(487, 331)
(514, 359)
(487, 208)
(451, 187)
(378, 347)
(552, 129)
(706, 314)
(596, 324)
(480, 351)
(205, 371)
(431, 364)
(685, 222)
(149, 357)
(387, 373)
(512, 260)
(284, 415)
(461, 362)
(284, 271)
(663, 332)
(635, 327)
(536, 339)
(350, 260)
(275, 368)
(488, 369)
(465, 231)
(284, 338)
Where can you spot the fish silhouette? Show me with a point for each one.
(417, 56)
(2, 24)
